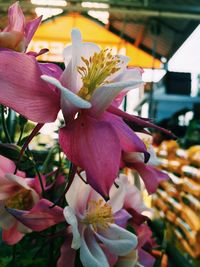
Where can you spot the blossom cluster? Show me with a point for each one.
(100, 202)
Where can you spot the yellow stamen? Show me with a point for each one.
(99, 214)
(22, 200)
(96, 71)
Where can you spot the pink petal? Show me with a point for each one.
(129, 141)
(150, 175)
(145, 258)
(122, 217)
(94, 146)
(16, 18)
(67, 255)
(138, 121)
(31, 28)
(40, 217)
(6, 165)
(35, 183)
(12, 236)
(28, 95)
(112, 259)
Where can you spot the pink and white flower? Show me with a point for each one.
(96, 225)
(21, 207)
(151, 175)
(15, 192)
(18, 34)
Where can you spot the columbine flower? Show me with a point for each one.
(95, 223)
(17, 35)
(16, 193)
(21, 209)
(88, 91)
(95, 139)
(151, 175)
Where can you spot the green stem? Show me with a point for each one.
(21, 133)
(14, 256)
(37, 171)
(5, 129)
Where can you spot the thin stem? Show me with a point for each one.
(5, 129)
(21, 133)
(14, 256)
(72, 172)
(37, 171)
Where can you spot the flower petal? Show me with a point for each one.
(71, 219)
(31, 28)
(118, 240)
(121, 218)
(40, 217)
(16, 18)
(71, 79)
(12, 235)
(145, 258)
(90, 252)
(28, 95)
(67, 255)
(129, 141)
(103, 96)
(138, 121)
(150, 175)
(78, 202)
(6, 220)
(94, 146)
(69, 101)
(126, 75)
(18, 180)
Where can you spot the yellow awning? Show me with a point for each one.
(56, 33)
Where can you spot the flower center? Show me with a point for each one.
(22, 200)
(98, 214)
(97, 69)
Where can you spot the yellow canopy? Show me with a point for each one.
(56, 33)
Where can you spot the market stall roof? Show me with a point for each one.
(55, 34)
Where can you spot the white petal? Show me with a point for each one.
(23, 229)
(103, 96)
(78, 201)
(117, 196)
(118, 240)
(130, 260)
(72, 220)
(70, 78)
(18, 180)
(66, 94)
(76, 36)
(91, 254)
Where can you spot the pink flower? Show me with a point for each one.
(18, 34)
(95, 139)
(88, 91)
(151, 175)
(94, 223)
(133, 202)
(21, 209)
(15, 192)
